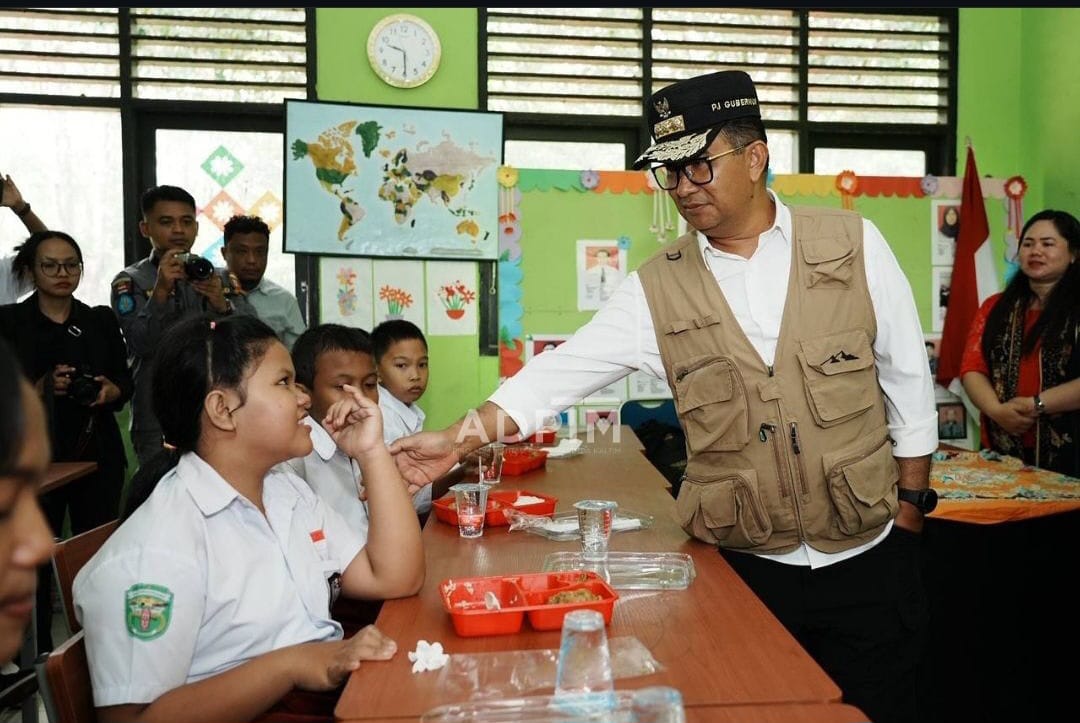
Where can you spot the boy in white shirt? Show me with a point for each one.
(401, 357)
(326, 358)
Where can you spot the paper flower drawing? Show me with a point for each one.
(397, 300)
(454, 297)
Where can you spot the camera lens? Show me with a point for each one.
(84, 389)
(197, 268)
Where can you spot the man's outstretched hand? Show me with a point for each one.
(424, 457)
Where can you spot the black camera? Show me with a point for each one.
(83, 389)
(196, 268)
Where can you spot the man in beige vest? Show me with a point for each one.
(791, 343)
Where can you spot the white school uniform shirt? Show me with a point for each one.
(401, 420)
(620, 338)
(335, 477)
(206, 582)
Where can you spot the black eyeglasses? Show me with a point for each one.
(52, 268)
(697, 170)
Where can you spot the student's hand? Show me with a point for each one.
(422, 458)
(1014, 417)
(329, 664)
(355, 423)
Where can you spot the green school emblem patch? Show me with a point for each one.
(147, 609)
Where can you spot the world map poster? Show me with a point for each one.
(363, 180)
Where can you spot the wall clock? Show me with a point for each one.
(404, 50)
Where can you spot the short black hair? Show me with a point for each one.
(318, 340)
(394, 330)
(245, 224)
(164, 193)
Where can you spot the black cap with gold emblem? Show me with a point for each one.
(686, 116)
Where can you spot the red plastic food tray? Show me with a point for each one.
(498, 501)
(519, 460)
(520, 596)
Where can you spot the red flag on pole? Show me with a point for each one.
(974, 276)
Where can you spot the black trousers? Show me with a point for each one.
(863, 620)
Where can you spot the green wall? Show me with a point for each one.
(460, 378)
(1050, 106)
(1016, 101)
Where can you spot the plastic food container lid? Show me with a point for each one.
(632, 570)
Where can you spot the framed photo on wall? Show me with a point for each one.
(539, 343)
(944, 227)
(365, 180)
(952, 421)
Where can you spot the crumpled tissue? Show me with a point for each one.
(428, 656)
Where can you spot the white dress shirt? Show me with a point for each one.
(334, 476)
(620, 338)
(401, 420)
(239, 583)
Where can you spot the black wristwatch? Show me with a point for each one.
(924, 500)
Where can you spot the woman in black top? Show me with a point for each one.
(75, 357)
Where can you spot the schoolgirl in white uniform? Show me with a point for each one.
(225, 571)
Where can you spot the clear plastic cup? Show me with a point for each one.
(470, 502)
(594, 522)
(584, 681)
(658, 704)
(491, 463)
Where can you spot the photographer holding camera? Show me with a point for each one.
(77, 361)
(170, 284)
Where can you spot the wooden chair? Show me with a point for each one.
(64, 681)
(70, 556)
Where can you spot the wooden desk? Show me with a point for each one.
(777, 713)
(718, 643)
(60, 473)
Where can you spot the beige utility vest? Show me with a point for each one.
(796, 452)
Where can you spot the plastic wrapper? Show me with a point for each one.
(531, 709)
(631, 570)
(563, 526)
(513, 673)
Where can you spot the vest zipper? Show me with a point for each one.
(778, 459)
(797, 447)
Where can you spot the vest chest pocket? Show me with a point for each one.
(724, 509)
(711, 402)
(831, 262)
(840, 377)
(862, 487)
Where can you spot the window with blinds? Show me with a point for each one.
(765, 43)
(573, 61)
(219, 54)
(816, 71)
(60, 51)
(256, 55)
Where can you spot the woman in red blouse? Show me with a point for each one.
(1021, 363)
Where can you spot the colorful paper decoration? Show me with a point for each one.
(1015, 188)
(847, 183)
